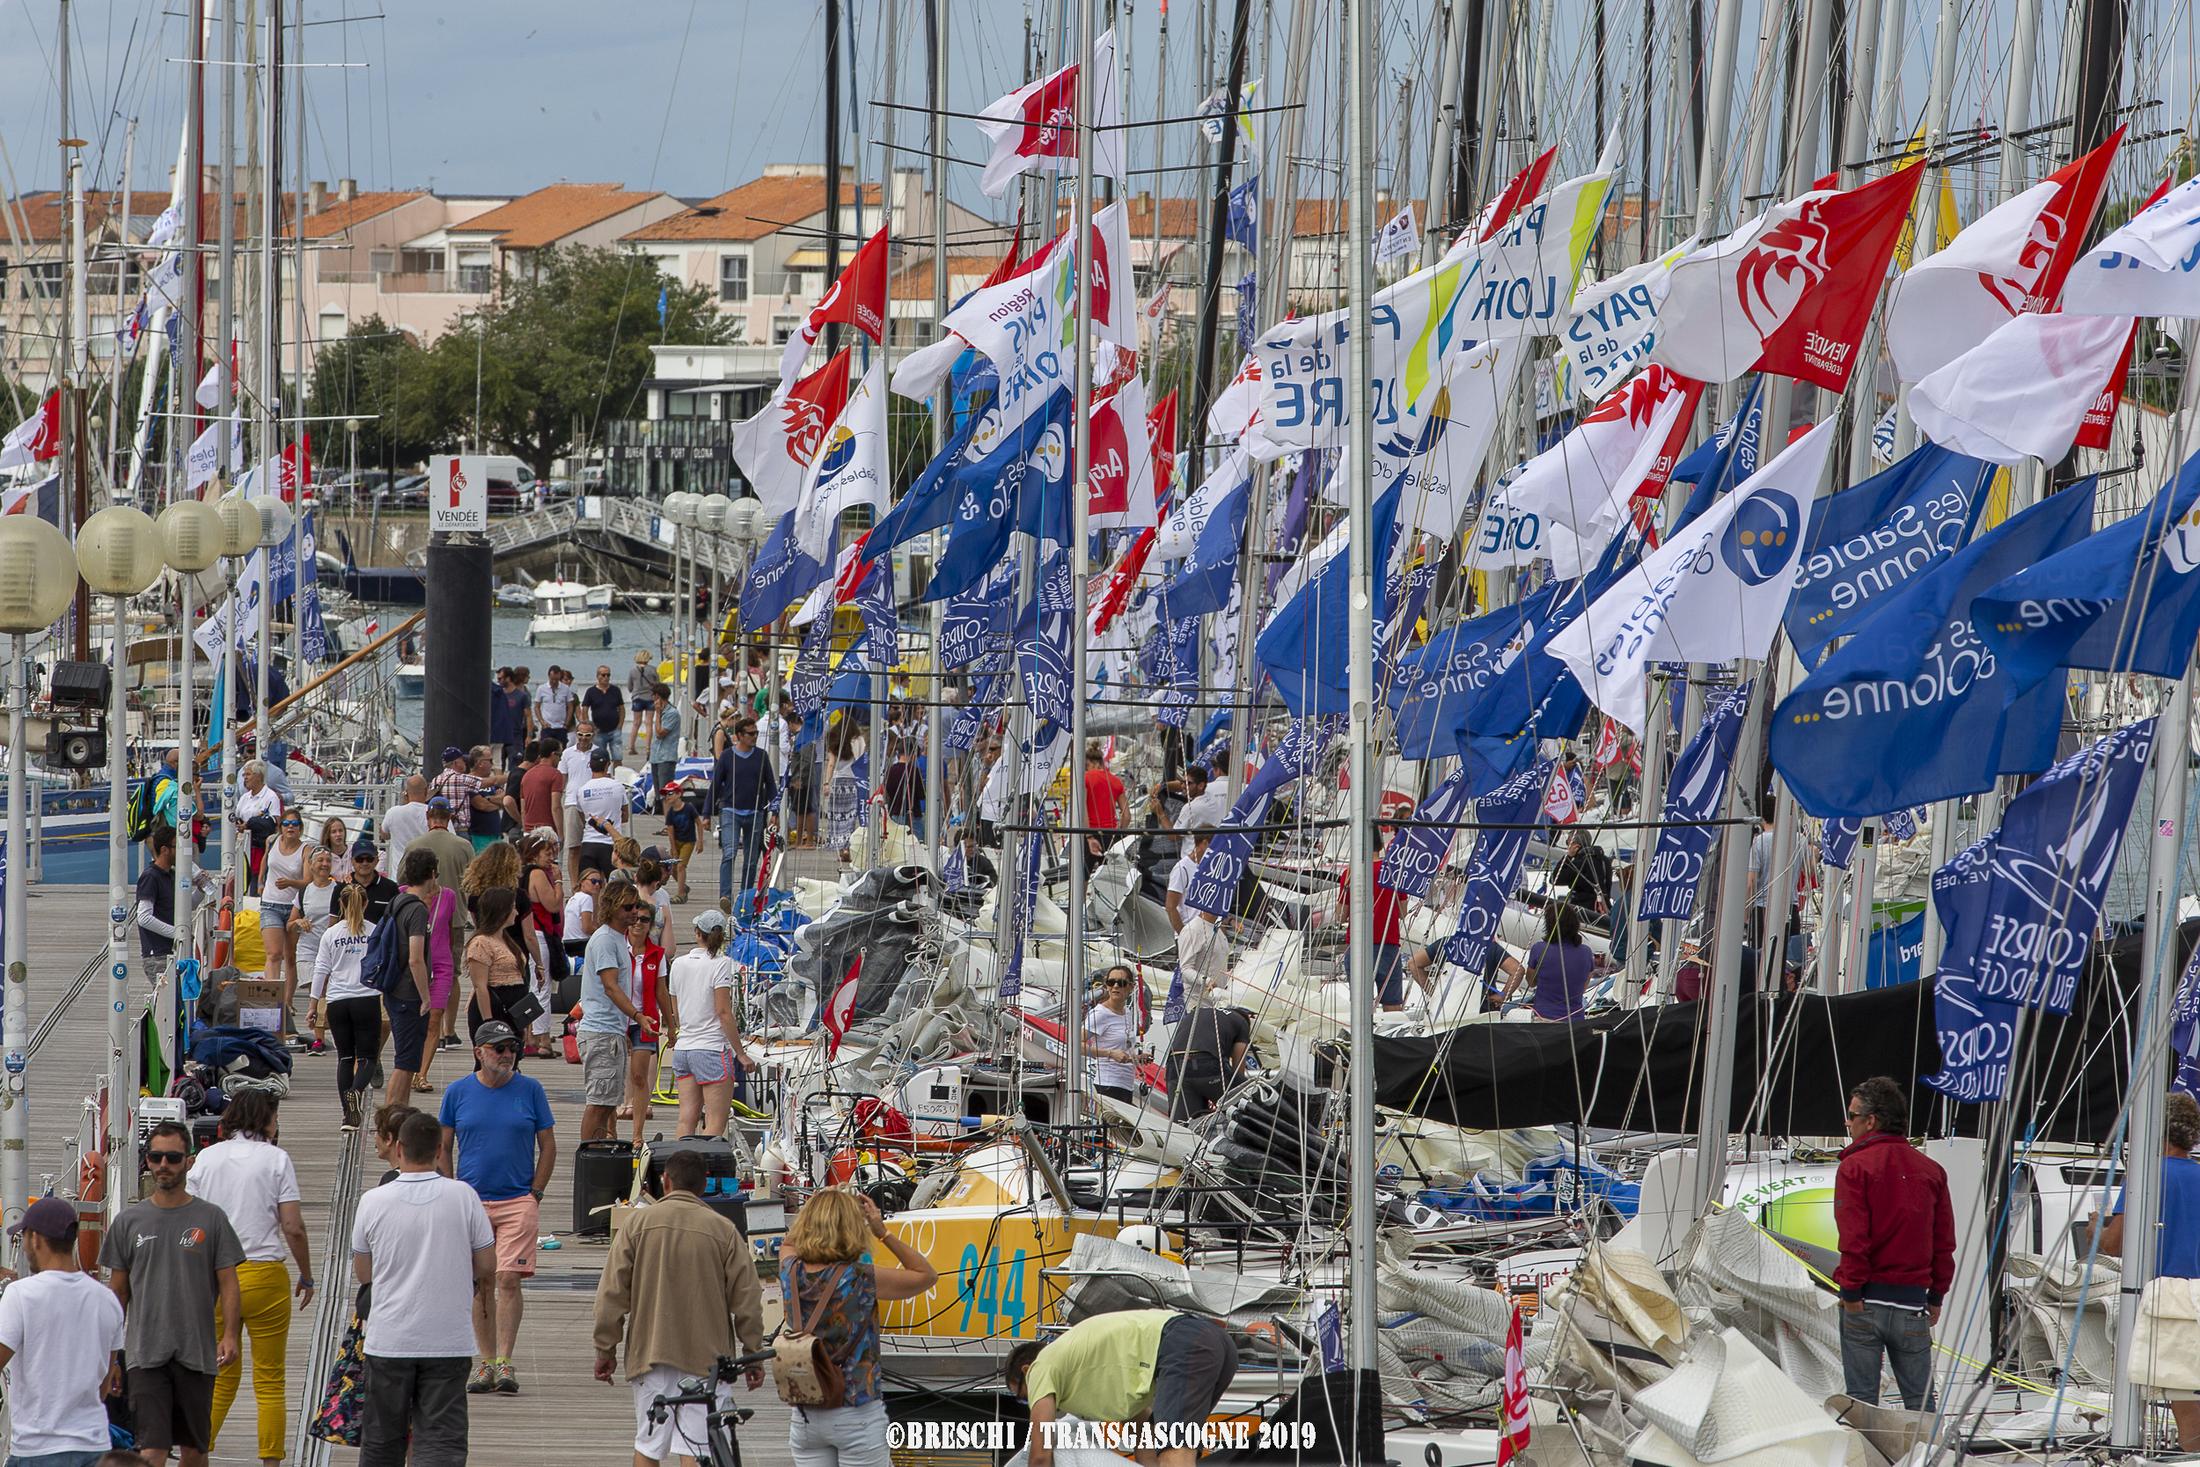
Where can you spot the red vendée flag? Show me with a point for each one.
(1122, 580)
(840, 1009)
(1512, 1421)
(1790, 291)
(776, 447)
(37, 438)
(297, 466)
(1035, 126)
(857, 298)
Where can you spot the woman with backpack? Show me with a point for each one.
(832, 1295)
(344, 1003)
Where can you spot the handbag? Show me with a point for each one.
(344, 1403)
(522, 1012)
(803, 1370)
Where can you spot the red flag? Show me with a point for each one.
(2099, 428)
(37, 439)
(1012, 264)
(854, 571)
(297, 466)
(840, 1009)
(2058, 235)
(1526, 184)
(1512, 1423)
(1161, 438)
(1035, 125)
(1123, 580)
(857, 298)
(1834, 254)
(1608, 745)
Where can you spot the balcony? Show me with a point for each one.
(435, 282)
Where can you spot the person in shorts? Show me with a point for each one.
(681, 828)
(1131, 1365)
(607, 967)
(407, 1004)
(171, 1259)
(498, 1139)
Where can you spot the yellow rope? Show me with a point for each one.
(2021, 1382)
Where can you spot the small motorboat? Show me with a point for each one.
(511, 593)
(568, 614)
(412, 680)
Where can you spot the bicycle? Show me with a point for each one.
(722, 1444)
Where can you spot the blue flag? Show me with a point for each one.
(1412, 858)
(1915, 708)
(1495, 867)
(1042, 642)
(1242, 227)
(780, 575)
(1728, 457)
(1896, 954)
(978, 620)
(929, 502)
(2125, 600)
(955, 871)
(1305, 644)
(1699, 784)
(812, 664)
(1837, 842)
(874, 602)
(2184, 1033)
(1024, 901)
(1435, 684)
(1214, 890)
(2021, 906)
(989, 686)
(1868, 542)
(1172, 1008)
(1023, 483)
(1203, 583)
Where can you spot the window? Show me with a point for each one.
(381, 262)
(784, 327)
(685, 405)
(474, 279)
(43, 282)
(733, 277)
(333, 325)
(418, 262)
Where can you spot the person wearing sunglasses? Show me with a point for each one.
(1111, 1037)
(498, 1139)
(171, 1260)
(1898, 1248)
(285, 877)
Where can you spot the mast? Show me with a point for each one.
(1359, 237)
(1194, 429)
(935, 760)
(270, 313)
(122, 311)
(298, 431)
(832, 163)
(1080, 561)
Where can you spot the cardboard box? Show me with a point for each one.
(259, 993)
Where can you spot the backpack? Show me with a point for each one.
(138, 822)
(386, 966)
(802, 1368)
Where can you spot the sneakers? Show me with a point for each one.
(483, 1380)
(507, 1382)
(350, 1099)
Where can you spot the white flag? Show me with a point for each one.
(164, 282)
(203, 459)
(1440, 447)
(1036, 126)
(2150, 267)
(1237, 406)
(2024, 391)
(1614, 322)
(1180, 532)
(209, 393)
(1955, 298)
(1120, 487)
(1711, 593)
(37, 438)
(850, 467)
(1400, 239)
(1582, 484)
(1517, 283)
(776, 447)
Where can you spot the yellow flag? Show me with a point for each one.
(1944, 224)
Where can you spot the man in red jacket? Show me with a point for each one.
(1898, 1248)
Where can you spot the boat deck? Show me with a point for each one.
(562, 1409)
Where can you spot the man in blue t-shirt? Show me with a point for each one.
(2177, 1253)
(497, 1139)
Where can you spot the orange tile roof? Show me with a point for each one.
(1180, 217)
(550, 214)
(760, 207)
(913, 282)
(344, 214)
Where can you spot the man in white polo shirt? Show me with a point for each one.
(424, 1241)
(573, 764)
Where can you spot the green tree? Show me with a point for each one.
(565, 348)
(381, 377)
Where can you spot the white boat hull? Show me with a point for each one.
(570, 629)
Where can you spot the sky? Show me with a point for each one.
(693, 96)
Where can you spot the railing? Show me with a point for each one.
(434, 282)
(520, 531)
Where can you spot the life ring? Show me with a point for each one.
(225, 923)
(91, 1207)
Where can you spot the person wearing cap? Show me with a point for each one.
(59, 1331)
(406, 821)
(172, 1262)
(605, 706)
(603, 807)
(424, 1241)
(498, 1139)
(707, 1054)
(682, 827)
(366, 871)
(456, 786)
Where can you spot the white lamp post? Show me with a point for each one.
(191, 541)
(240, 526)
(37, 583)
(746, 524)
(276, 525)
(119, 552)
(714, 515)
